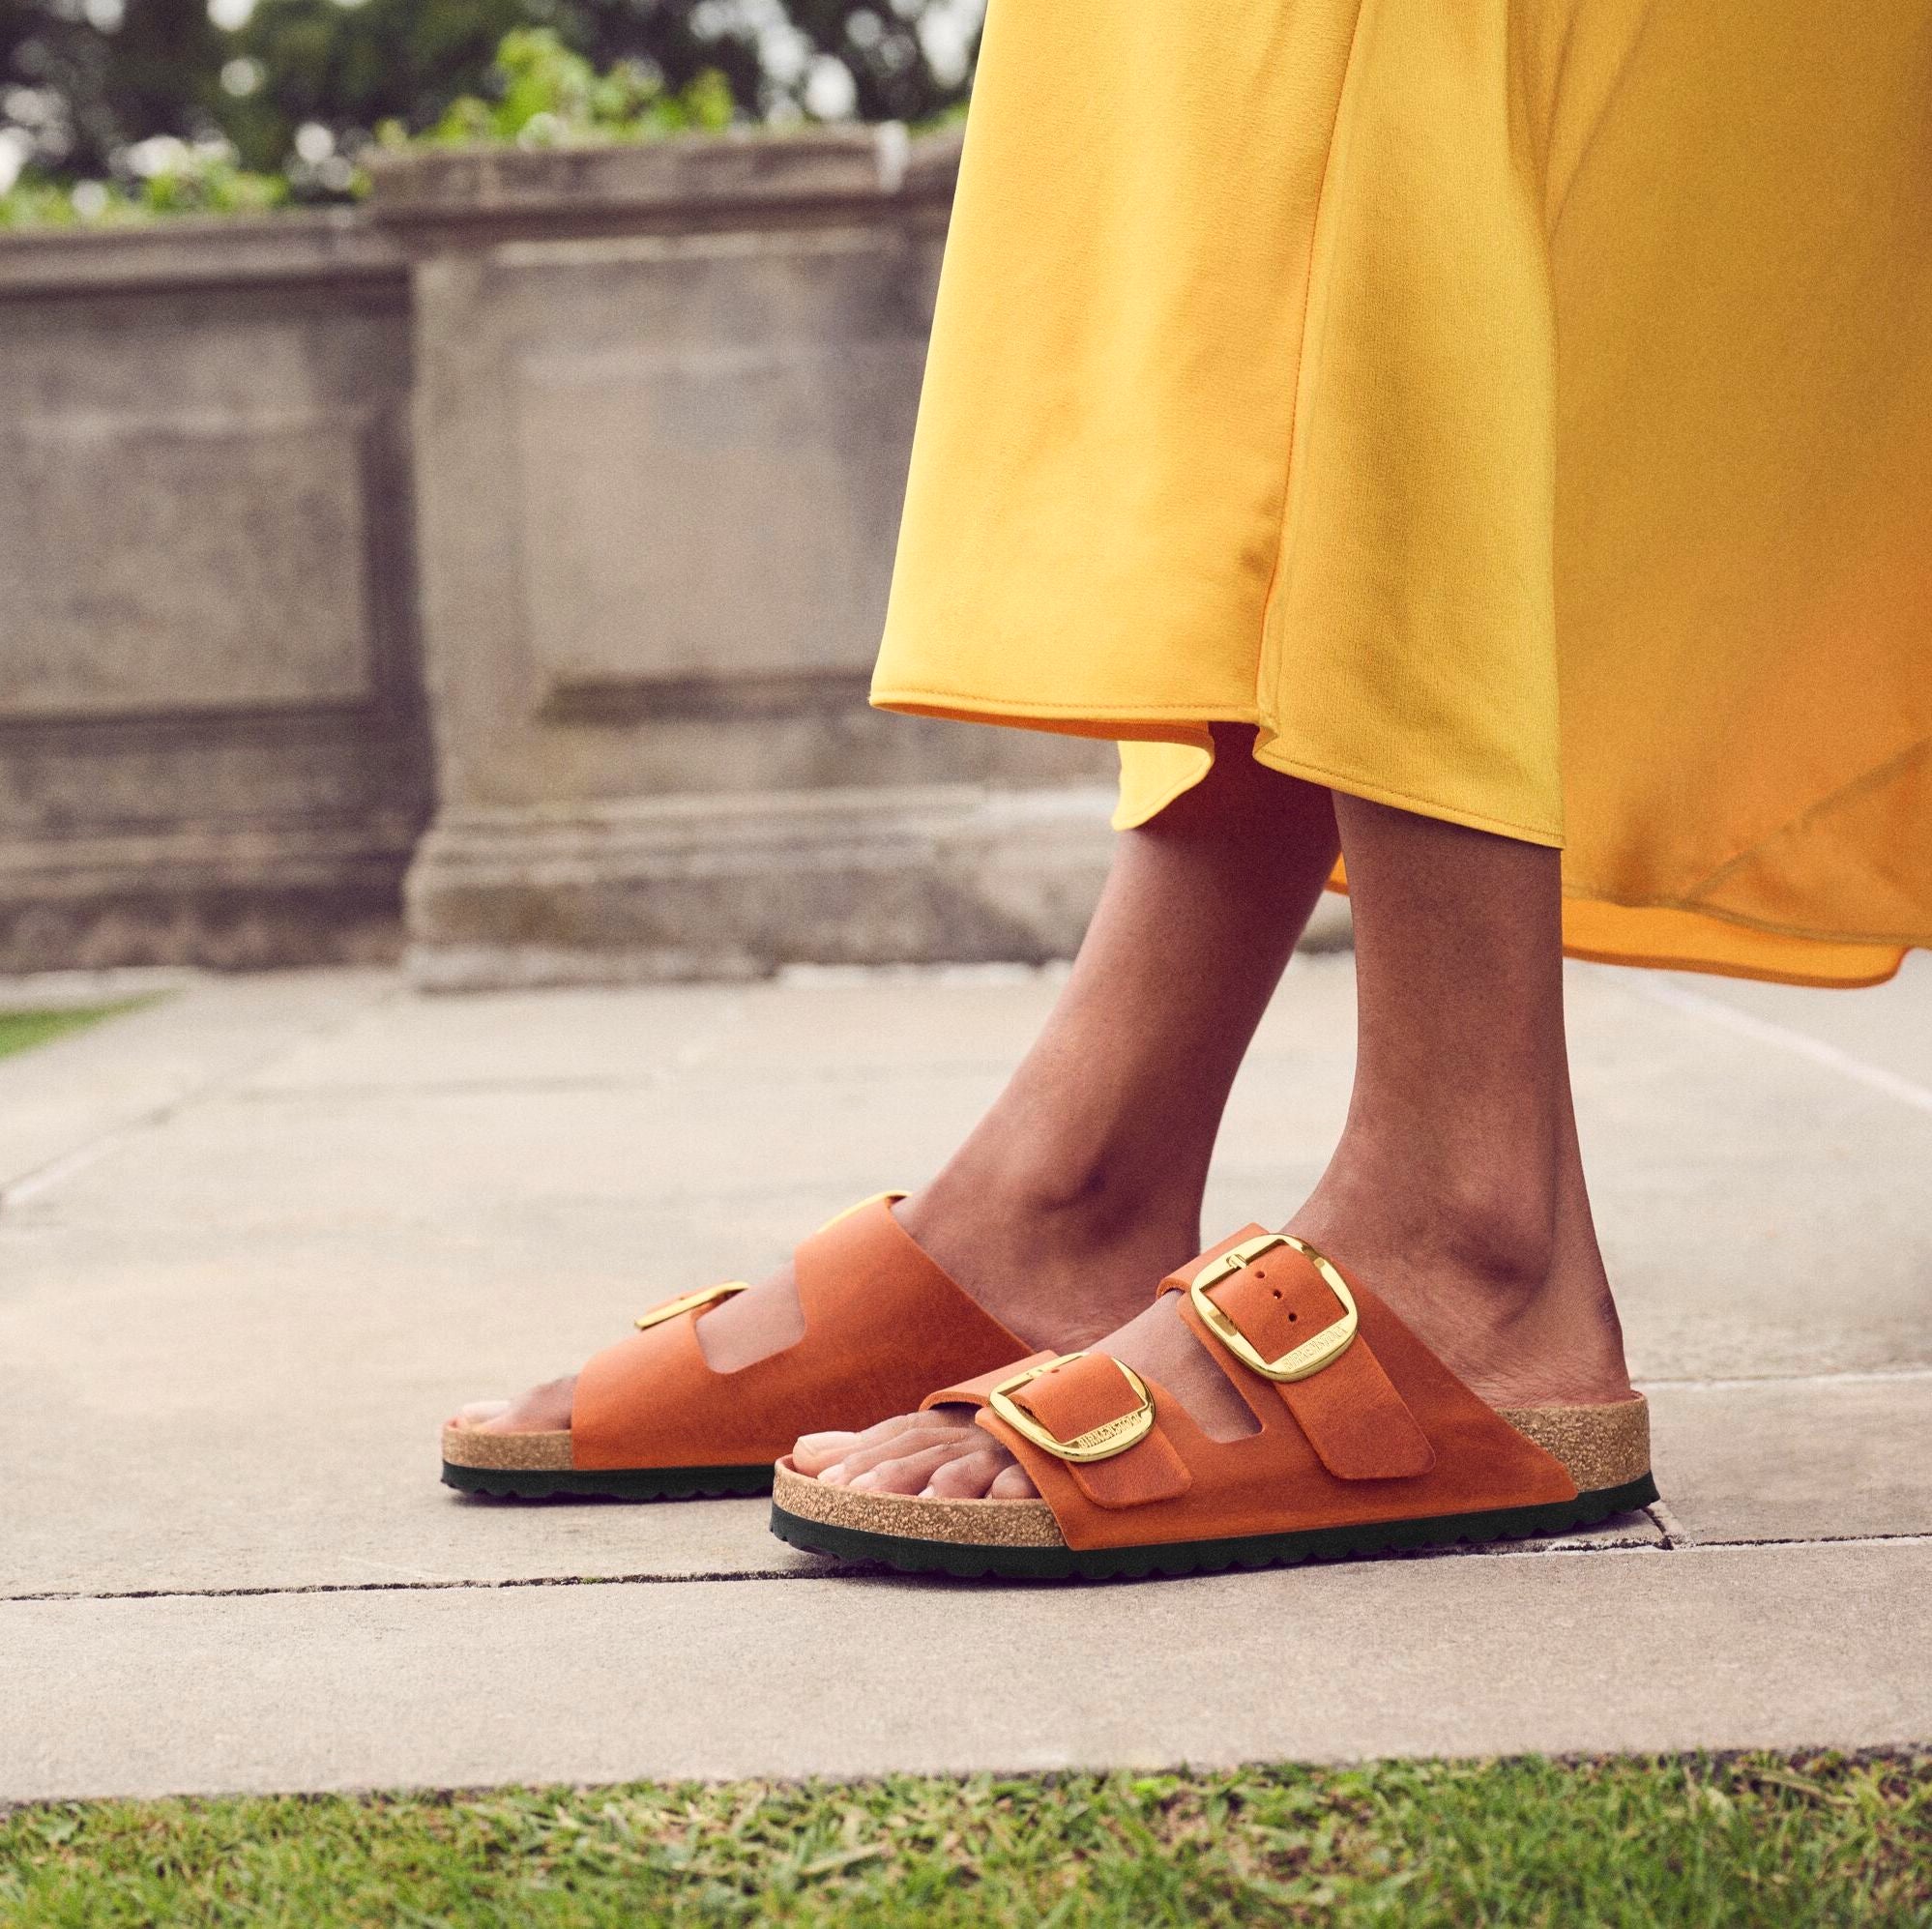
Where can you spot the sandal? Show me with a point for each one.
(1365, 1442)
(651, 1421)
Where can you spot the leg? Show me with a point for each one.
(1459, 1179)
(1082, 1185)
(1458, 1187)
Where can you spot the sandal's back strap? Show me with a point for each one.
(1265, 1307)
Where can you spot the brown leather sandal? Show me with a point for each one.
(1365, 1441)
(651, 1421)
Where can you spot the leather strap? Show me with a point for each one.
(1088, 1392)
(1068, 1402)
(1352, 1416)
(882, 1324)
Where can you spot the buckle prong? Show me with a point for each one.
(1301, 1362)
(690, 1302)
(1100, 1442)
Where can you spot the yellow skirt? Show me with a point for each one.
(1520, 410)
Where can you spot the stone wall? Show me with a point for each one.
(212, 740)
(513, 550)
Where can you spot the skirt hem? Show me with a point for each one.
(1190, 727)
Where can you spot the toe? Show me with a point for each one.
(969, 1476)
(914, 1434)
(544, 1409)
(911, 1473)
(479, 1410)
(813, 1452)
(1014, 1483)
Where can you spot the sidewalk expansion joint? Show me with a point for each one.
(269, 1591)
(547, 1086)
(850, 1570)
(1668, 1526)
(1674, 1541)
(1904, 1537)
(1783, 1037)
(1851, 1376)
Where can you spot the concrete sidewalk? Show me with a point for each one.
(257, 1241)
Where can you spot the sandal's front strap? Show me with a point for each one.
(1097, 1417)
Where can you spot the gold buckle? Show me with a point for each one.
(890, 1198)
(1301, 1362)
(1100, 1442)
(690, 1302)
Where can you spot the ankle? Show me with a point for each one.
(1502, 1234)
(1060, 1267)
(1473, 1226)
(1508, 1291)
(1066, 1204)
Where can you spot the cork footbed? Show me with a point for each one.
(1602, 1448)
(506, 1452)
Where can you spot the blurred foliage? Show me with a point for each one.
(216, 100)
(548, 96)
(178, 179)
(536, 92)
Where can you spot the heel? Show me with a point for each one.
(1600, 1447)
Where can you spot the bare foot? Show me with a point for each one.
(1055, 1273)
(1555, 1341)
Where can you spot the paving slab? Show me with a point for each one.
(198, 1423)
(1796, 1459)
(1484, 1654)
(830, 1025)
(570, 1036)
(203, 1426)
(71, 1098)
(1761, 1212)
(272, 1230)
(1885, 1027)
(432, 1159)
(826, 1023)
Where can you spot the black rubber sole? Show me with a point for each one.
(616, 1483)
(972, 1562)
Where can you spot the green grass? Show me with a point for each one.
(20, 1031)
(1751, 1839)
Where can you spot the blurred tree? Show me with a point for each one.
(82, 82)
(81, 79)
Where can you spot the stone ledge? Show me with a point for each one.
(318, 245)
(222, 895)
(736, 886)
(943, 873)
(677, 184)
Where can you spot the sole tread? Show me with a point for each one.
(617, 1484)
(964, 1561)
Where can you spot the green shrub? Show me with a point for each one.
(170, 178)
(551, 97)
(545, 95)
